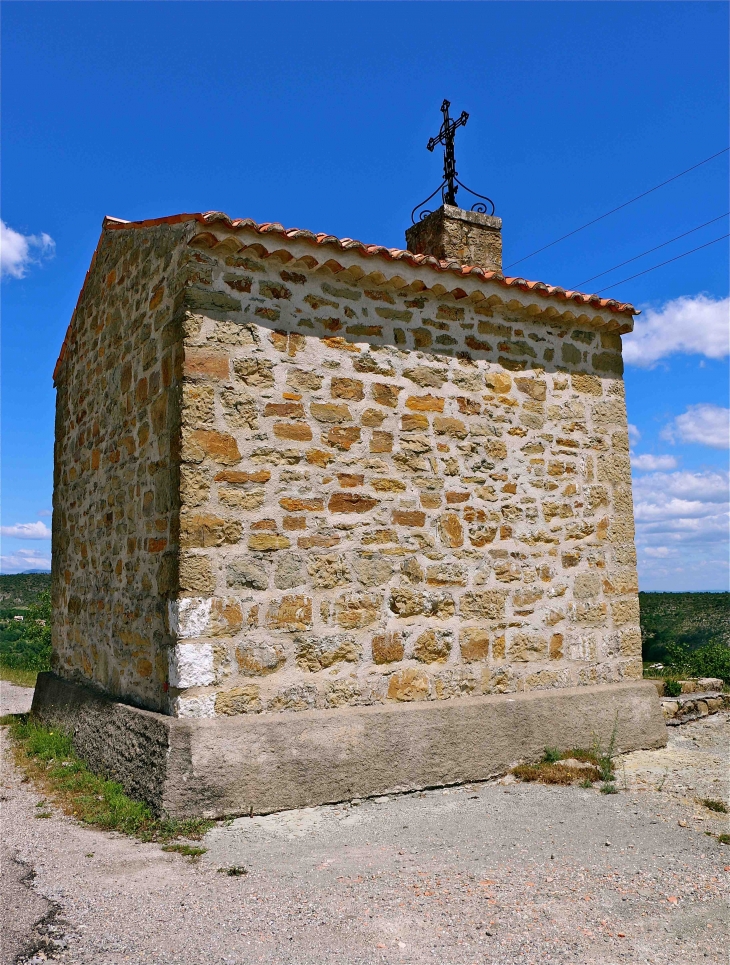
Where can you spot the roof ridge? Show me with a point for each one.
(391, 254)
(350, 244)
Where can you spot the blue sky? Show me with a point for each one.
(317, 115)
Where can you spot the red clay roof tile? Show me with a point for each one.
(391, 254)
(377, 251)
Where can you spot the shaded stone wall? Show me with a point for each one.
(116, 489)
(393, 497)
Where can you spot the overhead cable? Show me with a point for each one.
(614, 210)
(649, 251)
(683, 255)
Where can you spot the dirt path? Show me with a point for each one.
(27, 921)
(491, 873)
(14, 699)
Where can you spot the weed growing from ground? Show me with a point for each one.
(597, 765)
(578, 754)
(724, 838)
(714, 805)
(604, 760)
(185, 849)
(556, 773)
(672, 688)
(47, 757)
(551, 756)
(234, 871)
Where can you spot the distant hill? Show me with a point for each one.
(20, 589)
(690, 619)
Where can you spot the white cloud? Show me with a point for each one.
(25, 560)
(647, 463)
(634, 434)
(694, 325)
(710, 486)
(705, 423)
(45, 512)
(19, 251)
(681, 507)
(682, 523)
(37, 530)
(667, 509)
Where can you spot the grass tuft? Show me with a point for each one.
(724, 838)
(48, 759)
(578, 754)
(555, 773)
(714, 805)
(18, 676)
(234, 871)
(551, 756)
(185, 849)
(597, 766)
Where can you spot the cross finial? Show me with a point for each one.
(448, 186)
(446, 137)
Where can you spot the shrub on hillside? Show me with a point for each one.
(28, 647)
(712, 660)
(693, 620)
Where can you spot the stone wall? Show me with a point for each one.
(116, 502)
(453, 234)
(282, 485)
(393, 497)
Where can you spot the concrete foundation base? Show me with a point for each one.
(272, 762)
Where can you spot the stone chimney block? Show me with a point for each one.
(452, 234)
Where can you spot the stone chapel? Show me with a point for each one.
(333, 519)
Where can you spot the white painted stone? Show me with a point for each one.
(191, 665)
(190, 617)
(195, 706)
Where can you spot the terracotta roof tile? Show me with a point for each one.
(212, 218)
(390, 254)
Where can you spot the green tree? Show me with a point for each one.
(32, 649)
(711, 660)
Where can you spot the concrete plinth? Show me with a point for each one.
(272, 762)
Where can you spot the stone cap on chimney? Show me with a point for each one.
(453, 234)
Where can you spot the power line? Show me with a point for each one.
(663, 245)
(684, 255)
(614, 210)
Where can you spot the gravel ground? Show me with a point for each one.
(490, 873)
(25, 917)
(13, 699)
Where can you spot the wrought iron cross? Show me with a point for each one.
(446, 137)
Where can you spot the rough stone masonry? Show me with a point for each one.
(295, 473)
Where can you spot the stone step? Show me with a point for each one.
(682, 710)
